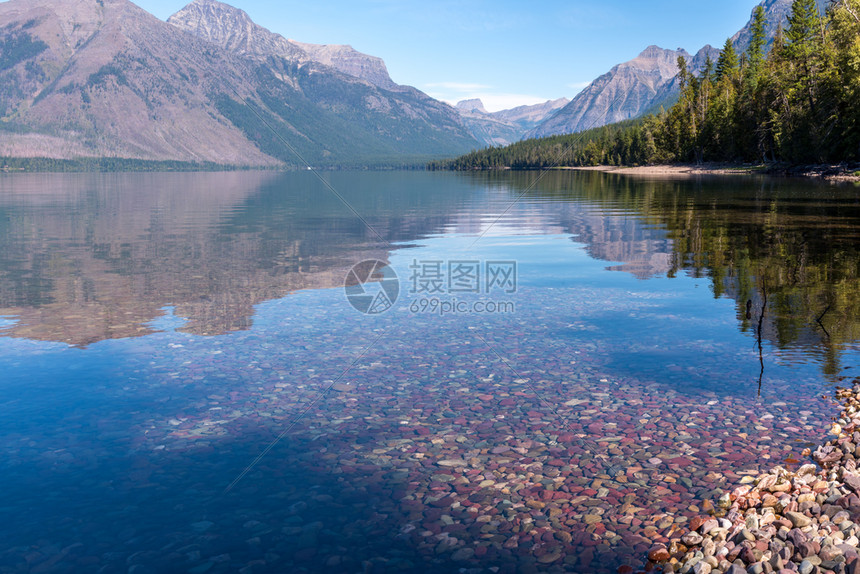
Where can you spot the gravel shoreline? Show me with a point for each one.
(831, 173)
(805, 521)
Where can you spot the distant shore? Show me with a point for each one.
(826, 172)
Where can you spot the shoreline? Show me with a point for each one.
(829, 173)
(806, 520)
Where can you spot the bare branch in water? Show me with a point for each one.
(820, 317)
(760, 326)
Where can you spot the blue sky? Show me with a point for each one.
(507, 53)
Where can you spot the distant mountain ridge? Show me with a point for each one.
(530, 116)
(506, 126)
(104, 78)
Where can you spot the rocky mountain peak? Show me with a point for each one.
(655, 59)
(350, 61)
(697, 64)
(473, 105)
(652, 52)
(73, 23)
(233, 29)
(625, 92)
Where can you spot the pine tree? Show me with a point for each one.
(709, 69)
(804, 27)
(683, 74)
(728, 63)
(755, 51)
(803, 52)
(845, 24)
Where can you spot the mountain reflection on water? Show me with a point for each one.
(94, 257)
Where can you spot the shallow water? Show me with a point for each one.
(186, 388)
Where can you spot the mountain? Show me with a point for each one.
(528, 117)
(625, 92)
(647, 83)
(488, 130)
(234, 30)
(400, 122)
(473, 105)
(506, 126)
(103, 78)
(350, 62)
(776, 12)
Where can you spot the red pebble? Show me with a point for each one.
(659, 554)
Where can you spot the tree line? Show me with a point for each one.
(798, 102)
(103, 164)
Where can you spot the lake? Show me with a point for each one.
(539, 373)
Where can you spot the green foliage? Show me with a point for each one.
(100, 78)
(12, 127)
(254, 129)
(626, 143)
(797, 104)
(18, 47)
(845, 37)
(728, 63)
(803, 26)
(755, 51)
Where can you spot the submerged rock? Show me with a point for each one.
(783, 521)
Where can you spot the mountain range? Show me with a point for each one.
(104, 78)
(506, 126)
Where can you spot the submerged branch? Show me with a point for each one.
(760, 349)
(820, 317)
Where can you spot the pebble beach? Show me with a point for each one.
(805, 520)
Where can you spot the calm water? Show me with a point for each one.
(186, 388)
